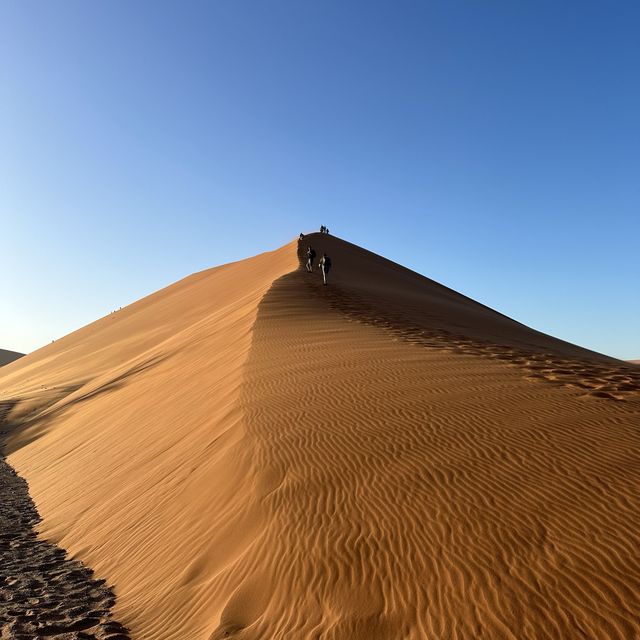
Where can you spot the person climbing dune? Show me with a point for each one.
(311, 256)
(325, 266)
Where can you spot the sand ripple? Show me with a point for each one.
(426, 493)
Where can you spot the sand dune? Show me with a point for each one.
(7, 356)
(250, 454)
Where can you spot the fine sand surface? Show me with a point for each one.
(43, 594)
(249, 454)
(7, 356)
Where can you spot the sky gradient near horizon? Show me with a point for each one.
(493, 147)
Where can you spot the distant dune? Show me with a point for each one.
(250, 454)
(7, 356)
(634, 361)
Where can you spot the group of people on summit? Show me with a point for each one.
(323, 229)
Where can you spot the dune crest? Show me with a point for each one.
(250, 454)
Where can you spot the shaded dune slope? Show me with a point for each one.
(7, 356)
(366, 278)
(372, 290)
(249, 454)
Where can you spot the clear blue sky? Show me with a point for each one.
(493, 146)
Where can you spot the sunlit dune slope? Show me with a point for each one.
(250, 454)
(131, 441)
(7, 356)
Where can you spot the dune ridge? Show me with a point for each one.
(286, 460)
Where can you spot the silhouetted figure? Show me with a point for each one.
(301, 236)
(321, 228)
(326, 230)
(325, 266)
(311, 256)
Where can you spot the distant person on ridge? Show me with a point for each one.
(301, 236)
(311, 256)
(325, 266)
(321, 228)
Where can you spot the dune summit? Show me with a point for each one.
(250, 454)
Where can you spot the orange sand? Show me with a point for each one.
(250, 454)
